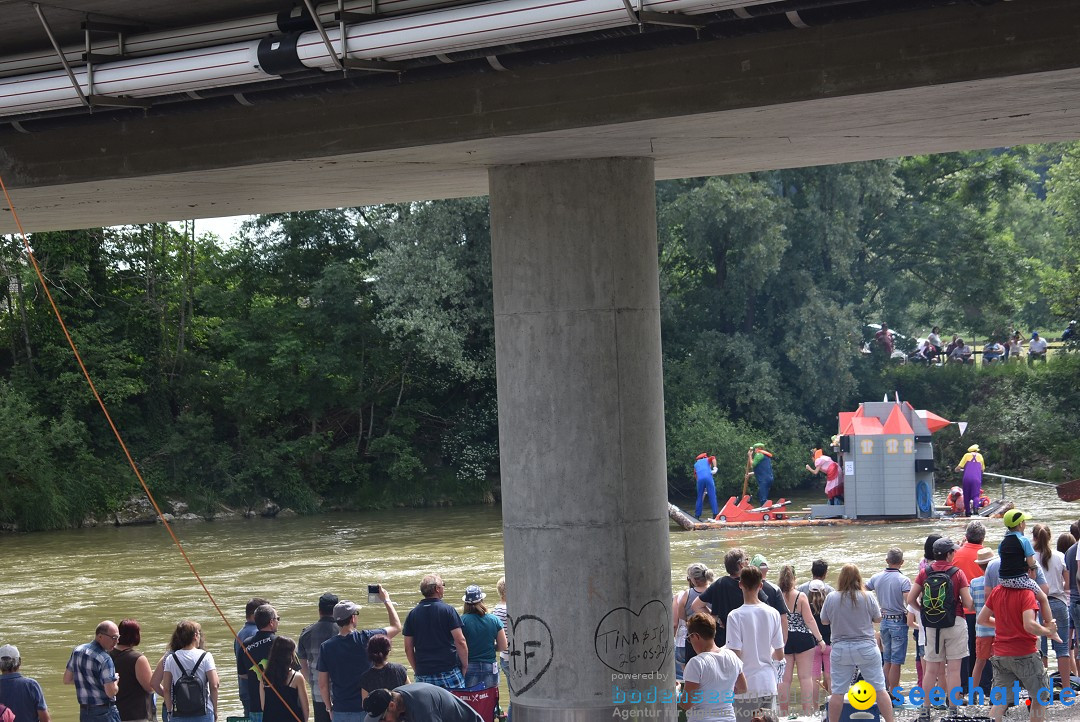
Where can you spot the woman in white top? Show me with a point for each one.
(1057, 579)
(1016, 346)
(185, 646)
(934, 339)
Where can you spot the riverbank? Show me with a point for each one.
(138, 511)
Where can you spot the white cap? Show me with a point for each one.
(8, 651)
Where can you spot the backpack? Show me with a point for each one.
(188, 692)
(939, 601)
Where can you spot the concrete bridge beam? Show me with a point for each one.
(581, 434)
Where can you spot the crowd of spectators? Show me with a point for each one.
(932, 350)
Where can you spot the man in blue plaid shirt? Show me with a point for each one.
(91, 670)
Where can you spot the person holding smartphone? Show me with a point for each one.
(344, 659)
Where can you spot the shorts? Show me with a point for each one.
(680, 662)
(1074, 617)
(1026, 670)
(451, 679)
(984, 647)
(799, 642)
(945, 644)
(893, 641)
(846, 656)
(482, 675)
(821, 661)
(745, 708)
(350, 716)
(1060, 611)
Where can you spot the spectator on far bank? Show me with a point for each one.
(1016, 346)
(961, 353)
(992, 351)
(884, 339)
(1036, 349)
(935, 338)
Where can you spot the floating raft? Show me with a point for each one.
(994, 509)
(689, 523)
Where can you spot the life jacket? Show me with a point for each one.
(955, 500)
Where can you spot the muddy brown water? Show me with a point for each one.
(56, 586)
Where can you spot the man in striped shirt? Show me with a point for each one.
(984, 636)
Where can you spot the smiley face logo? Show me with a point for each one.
(862, 696)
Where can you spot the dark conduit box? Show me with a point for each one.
(923, 465)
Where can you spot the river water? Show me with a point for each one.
(56, 586)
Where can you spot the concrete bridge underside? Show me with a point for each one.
(569, 152)
(945, 79)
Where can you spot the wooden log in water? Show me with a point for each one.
(681, 518)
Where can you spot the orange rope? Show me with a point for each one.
(120, 439)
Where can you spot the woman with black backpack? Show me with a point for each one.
(190, 680)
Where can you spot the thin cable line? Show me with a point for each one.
(120, 440)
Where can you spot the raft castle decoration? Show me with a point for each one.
(887, 462)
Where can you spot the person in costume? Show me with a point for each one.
(761, 463)
(705, 469)
(972, 466)
(955, 500)
(834, 485)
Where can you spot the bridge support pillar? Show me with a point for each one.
(581, 439)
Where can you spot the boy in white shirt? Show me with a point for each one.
(754, 634)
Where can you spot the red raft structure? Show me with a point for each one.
(743, 510)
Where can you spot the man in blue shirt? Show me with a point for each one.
(91, 670)
(705, 470)
(243, 664)
(1074, 588)
(343, 659)
(22, 695)
(434, 643)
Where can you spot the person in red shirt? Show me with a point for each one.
(1012, 614)
(885, 340)
(945, 648)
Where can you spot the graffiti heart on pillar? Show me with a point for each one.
(629, 641)
(531, 650)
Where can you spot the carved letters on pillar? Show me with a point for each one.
(531, 650)
(629, 641)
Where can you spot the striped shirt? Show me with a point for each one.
(499, 610)
(978, 596)
(92, 668)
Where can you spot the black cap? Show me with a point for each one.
(327, 602)
(942, 548)
(376, 703)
